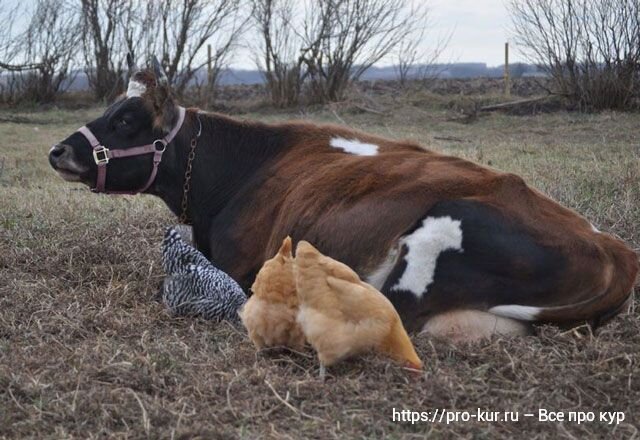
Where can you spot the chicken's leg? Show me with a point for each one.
(323, 372)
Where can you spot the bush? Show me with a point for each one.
(590, 48)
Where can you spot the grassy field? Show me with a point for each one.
(86, 353)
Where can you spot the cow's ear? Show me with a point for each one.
(131, 64)
(165, 109)
(161, 76)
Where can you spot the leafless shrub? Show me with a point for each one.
(344, 38)
(414, 60)
(9, 71)
(278, 56)
(105, 23)
(407, 57)
(591, 48)
(178, 30)
(44, 51)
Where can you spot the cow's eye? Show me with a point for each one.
(122, 123)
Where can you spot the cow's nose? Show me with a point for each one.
(57, 151)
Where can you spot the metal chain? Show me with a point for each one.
(186, 186)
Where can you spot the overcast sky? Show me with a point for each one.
(480, 29)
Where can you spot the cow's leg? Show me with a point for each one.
(462, 326)
(457, 262)
(469, 255)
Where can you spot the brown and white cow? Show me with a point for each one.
(458, 248)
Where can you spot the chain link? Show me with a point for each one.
(186, 186)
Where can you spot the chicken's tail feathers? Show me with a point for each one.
(307, 257)
(286, 248)
(306, 253)
(171, 236)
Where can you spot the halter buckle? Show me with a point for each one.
(101, 155)
(162, 143)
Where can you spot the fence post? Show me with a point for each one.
(507, 79)
(209, 76)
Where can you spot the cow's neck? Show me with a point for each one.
(229, 155)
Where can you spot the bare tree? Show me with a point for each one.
(45, 50)
(141, 34)
(590, 48)
(415, 60)
(408, 55)
(8, 47)
(278, 56)
(10, 71)
(344, 38)
(178, 30)
(105, 23)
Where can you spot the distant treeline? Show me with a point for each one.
(79, 82)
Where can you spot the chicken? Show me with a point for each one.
(194, 286)
(203, 291)
(270, 314)
(341, 316)
(177, 254)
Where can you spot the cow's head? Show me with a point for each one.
(146, 112)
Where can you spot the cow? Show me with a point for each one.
(461, 250)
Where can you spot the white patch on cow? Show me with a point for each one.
(525, 313)
(461, 326)
(594, 229)
(381, 273)
(354, 146)
(135, 89)
(436, 235)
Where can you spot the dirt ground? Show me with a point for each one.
(86, 353)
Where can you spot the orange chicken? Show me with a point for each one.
(270, 314)
(342, 316)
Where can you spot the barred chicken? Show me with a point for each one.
(194, 287)
(270, 314)
(342, 316)
(177, 254)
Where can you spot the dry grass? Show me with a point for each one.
(85, 353)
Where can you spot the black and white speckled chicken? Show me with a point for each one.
(194, 287)
(203, 291)
(177, 254)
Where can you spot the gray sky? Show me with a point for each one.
(481, 27)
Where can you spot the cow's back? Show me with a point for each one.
(517, 247)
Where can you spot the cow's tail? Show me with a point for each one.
(596, 310)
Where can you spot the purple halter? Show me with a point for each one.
(102, 155)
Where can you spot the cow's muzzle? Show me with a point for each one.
(62, 159)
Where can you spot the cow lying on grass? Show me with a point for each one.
(460, 250)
